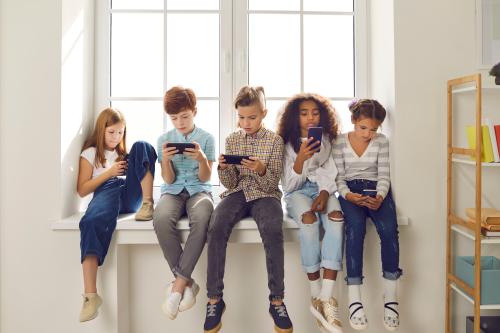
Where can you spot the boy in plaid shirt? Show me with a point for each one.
(252, 189)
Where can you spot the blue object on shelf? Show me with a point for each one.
(488, 324)
(490, 276)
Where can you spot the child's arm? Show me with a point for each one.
(269, 180)
(204, 164)
(383, 164)
(228, 174)
(326, 175)
(291, 180)
(87, 185)
(338, 157)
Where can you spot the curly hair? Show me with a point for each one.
(289, 123)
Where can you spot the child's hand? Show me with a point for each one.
(356, 198)
(373, 203)
(307, 149)
(253, 163)
(118, 169)
(168, 152)
(195, 153)
(222, 162)
(319, 204)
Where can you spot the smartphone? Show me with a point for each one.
(235, 159)
(316, 133)
(370, 193)
(180, 146)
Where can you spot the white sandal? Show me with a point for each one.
(357, 323)
(391, 323)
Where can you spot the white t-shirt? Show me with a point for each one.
(89, 155)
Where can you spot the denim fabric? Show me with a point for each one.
(115, 196)
(314, 253)
(168, 211)
(385, 222)
(268, 214)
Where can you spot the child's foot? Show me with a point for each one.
(327, 314)
(282, 323)
(171, 304)
(145, 213)
(213, 318)
(189, 297)
(391, 316)
(91, 303)
(357, 317)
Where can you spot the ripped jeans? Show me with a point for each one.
(385, 222)
(314, 253)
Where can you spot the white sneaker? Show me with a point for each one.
(391, 316)
(91, 303)
(170, 305)
(189, 297)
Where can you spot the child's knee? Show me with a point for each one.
(336, 216)
(309, 218)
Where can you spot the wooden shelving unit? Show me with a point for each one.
(456, 224)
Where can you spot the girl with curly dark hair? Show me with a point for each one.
(308, 181)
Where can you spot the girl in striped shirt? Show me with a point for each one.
(363, 181)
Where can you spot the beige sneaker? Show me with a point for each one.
(327, 314)
(145, 213)
(91, 303)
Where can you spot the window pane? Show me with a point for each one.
(344, 115)
(328, 55)
(144, 123)
(193, 4)
(134, 4)
(193, 52)
(274, 53)
(274, 108)
(274, 4)
(137, 61)
(329, 5)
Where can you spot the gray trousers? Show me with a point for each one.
(168, 211)
(268, 214)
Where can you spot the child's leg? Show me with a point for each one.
(331, 248)
(299, 208)
(268, 214)
(139, 180)
(228, 212)
(89, 266)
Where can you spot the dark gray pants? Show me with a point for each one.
(167, 213)
(268, 214)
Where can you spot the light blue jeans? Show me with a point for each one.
(314, 254)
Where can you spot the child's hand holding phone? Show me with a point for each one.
(168, 152)
(253, 163)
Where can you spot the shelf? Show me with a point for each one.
(470, 235)
(473, 88)
(472, 162)
(470, 300)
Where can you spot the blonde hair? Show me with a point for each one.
(107, 117)
(251, 95)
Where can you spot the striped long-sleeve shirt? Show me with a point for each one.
(373, 164)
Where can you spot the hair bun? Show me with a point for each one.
(352, 104)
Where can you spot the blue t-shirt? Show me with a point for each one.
(186, 169)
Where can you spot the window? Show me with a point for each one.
(215, 47)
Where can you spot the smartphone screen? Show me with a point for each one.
(370, 193)
(316, 133)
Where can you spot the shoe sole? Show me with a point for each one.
(358, 327)
(389, 328)
(168, 314)
(326, 325)
(185, 307)
(91, 318)
(218, 327)
(142, 219)
(281, 330)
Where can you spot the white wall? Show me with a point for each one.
(40, 279)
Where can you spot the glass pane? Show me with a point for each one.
(274, 4)
(344, 115)
(274, 53)
(329, 5)
(328, 55)
(134, 4)
(144, 122)
(136, 61)
(193, 4)
(490, 31)
(274, 108)
(193, 52)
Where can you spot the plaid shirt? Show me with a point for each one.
(267, 146)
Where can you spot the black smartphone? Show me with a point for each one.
(370, 193)
(316, 133)
(235, 159)
(180, 146)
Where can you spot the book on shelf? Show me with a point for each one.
(488, 233)
(488, 227)
(488, 215)
(487, 151)
(497, 135)
(494, 141)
